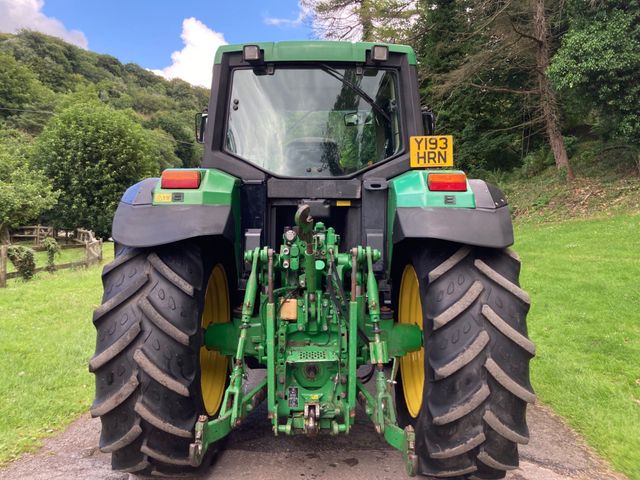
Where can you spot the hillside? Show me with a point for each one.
(607, 183)
(40, 74)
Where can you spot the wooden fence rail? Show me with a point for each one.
(37, 233)
(93, 254)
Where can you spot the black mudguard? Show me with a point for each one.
(139, 223)
(487, 225)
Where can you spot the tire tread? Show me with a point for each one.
(145, 365)
(476, 362)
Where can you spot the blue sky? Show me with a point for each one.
(149, 32)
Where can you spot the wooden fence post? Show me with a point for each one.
(3, 266)
(87, 255)
(93, 252)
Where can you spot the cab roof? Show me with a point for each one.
(316, 50)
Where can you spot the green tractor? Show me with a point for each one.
(327, 240)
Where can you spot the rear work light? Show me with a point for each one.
(251, 53)
(380, 53)
(180, 179)
(447, 182)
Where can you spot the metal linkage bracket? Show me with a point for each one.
(209, 431)
(235, 404)
(382, 412)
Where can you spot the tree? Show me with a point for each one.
(185, 146)
(505, 51)
(163, 147)
(22, 96)
(472, 102)
(18, 86)
(40, 74)
(598, 63)
(25, 192)
(92, 153)
(361, 20)
(548, 100)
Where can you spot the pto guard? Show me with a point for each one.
(138, 222)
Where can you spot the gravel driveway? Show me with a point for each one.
(252, 452)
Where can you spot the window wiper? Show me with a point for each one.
(338, 76)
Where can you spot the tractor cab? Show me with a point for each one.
(320, 123)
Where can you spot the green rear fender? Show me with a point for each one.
(480, 216)
(149, 215)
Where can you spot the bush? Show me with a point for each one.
(52, 248)
(25, 192)
(536, 162)
(23, 258)
(92, 154)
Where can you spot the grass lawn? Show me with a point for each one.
(46, 340)
(584, 281)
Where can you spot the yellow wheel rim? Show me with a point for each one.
(213, 365)
(412, 364)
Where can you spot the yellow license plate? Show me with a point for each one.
(431, 151)
(162, 197)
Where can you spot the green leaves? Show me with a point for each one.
(94, 145)
(23, 258)
(25, 192)
(92, 154)
(599, 62)
(53, 249)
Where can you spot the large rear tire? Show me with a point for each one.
(150, 384)
(466, 392)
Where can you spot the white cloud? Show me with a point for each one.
(336, 25)
(27, 14)
(304, 13)
(195, 61)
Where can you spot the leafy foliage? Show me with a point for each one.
(21, 92)
(484, 71)
(599, 61)
(52, 248)
(92, 153)
(479, 67)
(43, 81)
(184, 149)
(18, 86)
(25, 192)
(23, 258)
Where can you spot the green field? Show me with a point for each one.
(46, 340)
(582, 276)
(584, 281)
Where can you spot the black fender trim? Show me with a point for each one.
(146, 225)
(479, 226)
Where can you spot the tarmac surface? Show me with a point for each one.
(252, 452)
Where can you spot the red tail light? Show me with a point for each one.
(180, 179)
(447, 182)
